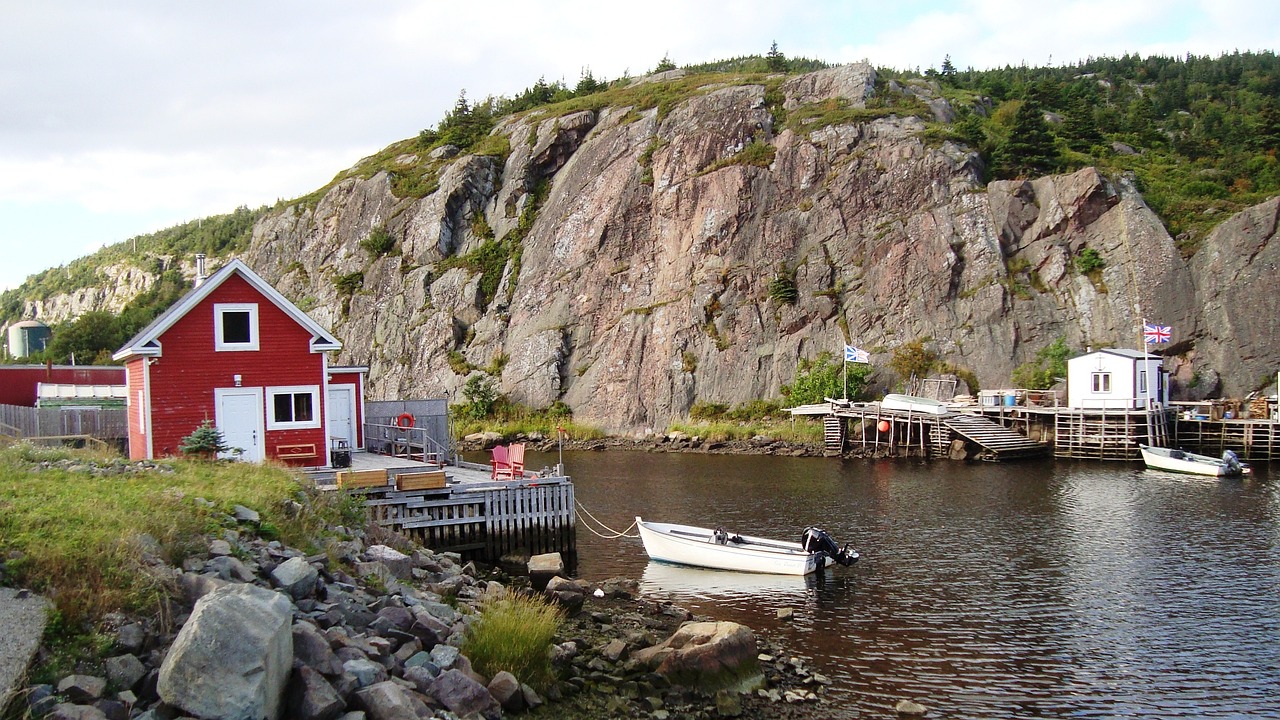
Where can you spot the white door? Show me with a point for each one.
(340, 411)
(238, 414)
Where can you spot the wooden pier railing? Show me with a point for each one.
(482, 520)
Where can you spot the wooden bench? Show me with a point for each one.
(297, 451)
(362, 479)
(426, 480)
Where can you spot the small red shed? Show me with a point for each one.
(233, 350)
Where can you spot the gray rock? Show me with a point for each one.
(505, 689)
(112, 709)
(229, 568)
(707, 656)
(531, 698)
(246, 515)
(219, 547)
(444, 656)
(615, 650)
(312, 649)
(82, 689)
(239, 634)
(422, 676)
(311, 697)
(131, 638)
(41, 700)
(909, 707)
(296, 577)
(386, 701)
(544, 567)
(399, 564)
(461, 694)
(365, 671)
(124, 671)
(70, 711)
(398, 618)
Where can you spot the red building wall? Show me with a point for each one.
(357, 379)
(18, 382)
(184, 377)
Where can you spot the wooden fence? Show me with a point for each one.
(108, 424)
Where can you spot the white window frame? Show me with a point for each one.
(219, 344)
(1105, 377)
(316, 409)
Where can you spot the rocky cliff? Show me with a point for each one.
(640, 247)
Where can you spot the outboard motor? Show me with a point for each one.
(817, 540)
(1232, 461)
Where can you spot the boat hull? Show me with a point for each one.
(689, 545)
(1185, 462)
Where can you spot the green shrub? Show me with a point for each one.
(822, 377)
(702, 410)
(481, 395)
(514, 633)
(782, 287)
(205, 442)
(1089, 260)
(379, 242)
(913, 359)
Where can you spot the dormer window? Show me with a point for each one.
(235, 326)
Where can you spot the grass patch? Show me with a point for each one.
(514, 633)
(83, 539)
(802, 431)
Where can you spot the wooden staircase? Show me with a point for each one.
(997, 442)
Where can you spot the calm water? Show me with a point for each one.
(984, 591)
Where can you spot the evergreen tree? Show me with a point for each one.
(776, 61)
(665, 65)
(948, 71)
(586, 84)
(1029, 148)
(1079, 128)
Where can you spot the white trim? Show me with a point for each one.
(350, 390)
(219, 343)
(317, 418)
(321, 339)
(146, 408)
(218, 393)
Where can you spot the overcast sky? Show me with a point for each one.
(124, 117)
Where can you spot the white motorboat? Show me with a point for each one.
(1186, 462)
(912, 403)
(724, 550)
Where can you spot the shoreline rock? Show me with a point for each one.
(388, 644)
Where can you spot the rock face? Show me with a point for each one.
(233, 657)
(640, 282)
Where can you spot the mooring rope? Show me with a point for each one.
(615, 533)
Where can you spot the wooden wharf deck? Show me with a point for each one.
(1256, 439)
(920, 433)
(473, 515)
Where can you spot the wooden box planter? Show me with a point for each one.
(348, 479)
(429, 480)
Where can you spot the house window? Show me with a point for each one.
(235, 326)
(293, 408)
(1102, 382)
(1142, 382)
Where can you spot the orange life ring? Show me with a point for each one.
(404, 420)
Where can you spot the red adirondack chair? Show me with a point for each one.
(500, 465)
(516, 456)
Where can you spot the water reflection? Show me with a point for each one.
(996, 591)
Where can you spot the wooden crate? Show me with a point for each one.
(429, 480)
(362, 479)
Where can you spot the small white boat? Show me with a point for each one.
(1185, 462)
(723, 550)
(911, 403)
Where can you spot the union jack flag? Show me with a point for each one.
(1156, 334)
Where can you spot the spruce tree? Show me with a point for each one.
(1029, 148)
(777, 61)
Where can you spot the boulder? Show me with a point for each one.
(908, 707)
(246, 515)
(130, 638)
(312, 649)
(460, 694)
(505, 689)
(69, 711)
(124, 671)
(566, 593)
(233, 657)
(399, 564)
(82, 689)
(386, 701)
(544, 567)
(707, 656)
(311, 697)
(296, 577)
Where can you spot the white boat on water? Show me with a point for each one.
(724, 550)
(911, 403)
(1185, 462)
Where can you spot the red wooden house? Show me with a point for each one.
(235, 351)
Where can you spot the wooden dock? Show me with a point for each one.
(471, 515)
(1109, 434)
(901, 432)
(1250, 439)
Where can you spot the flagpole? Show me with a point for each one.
(846, 376)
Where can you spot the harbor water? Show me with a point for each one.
(1015, 590)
